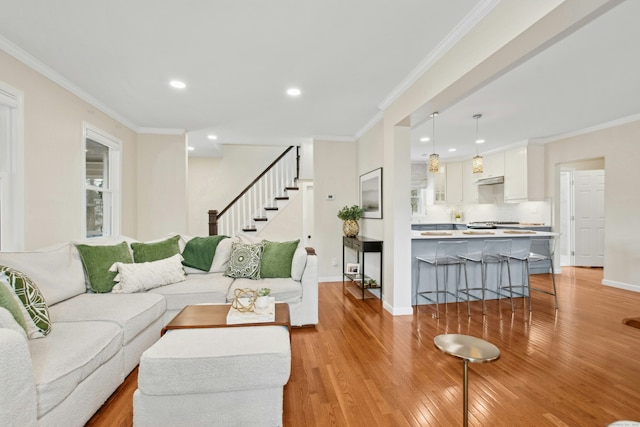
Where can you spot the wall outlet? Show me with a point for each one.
(334, 262)
(330, 197)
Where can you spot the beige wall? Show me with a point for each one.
(335, 172)
(162, 185)
(214, 182)
(620, 148)
(54, 157)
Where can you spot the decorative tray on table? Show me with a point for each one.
(264, 315)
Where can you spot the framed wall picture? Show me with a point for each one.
(353, 268)
(371, 193)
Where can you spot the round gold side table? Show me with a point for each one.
(469, 349)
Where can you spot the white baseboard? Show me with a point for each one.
(621, 285)
(398, 311)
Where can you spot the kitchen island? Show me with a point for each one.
(424, 243)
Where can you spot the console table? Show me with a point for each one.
(362, 245)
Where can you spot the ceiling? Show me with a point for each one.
(238, 58)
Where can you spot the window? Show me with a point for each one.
(102, 179)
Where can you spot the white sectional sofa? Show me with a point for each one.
(96, 340)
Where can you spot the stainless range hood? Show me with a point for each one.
(491, 181)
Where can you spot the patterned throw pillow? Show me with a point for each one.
(37, 318)
(245, 260)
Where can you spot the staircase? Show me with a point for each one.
(261, 200)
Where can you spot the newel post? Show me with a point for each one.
(213, 223)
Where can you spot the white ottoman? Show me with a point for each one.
(214, 377)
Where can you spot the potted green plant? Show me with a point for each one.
(262, 297)
(350, 216)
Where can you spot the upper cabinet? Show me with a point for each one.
(469, 186)
(492, 165)
(524, 174)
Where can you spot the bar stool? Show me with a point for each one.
(494, 251)
(520, 255)
(447, 254)
(469, 349)
(542, 249)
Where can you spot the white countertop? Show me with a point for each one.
(500, 233)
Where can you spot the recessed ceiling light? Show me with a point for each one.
(480, 141)
(177, 84)
(212, 137)
(451, 150)
(190, 148)
(424, 139)
(294, 91)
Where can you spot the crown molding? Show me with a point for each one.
(460, 30)
(334, 138)
(371, 123)
(162, 131)
(37, 65)
(602, 126)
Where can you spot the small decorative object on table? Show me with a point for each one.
(244, 300)
(262, 301)
(350, 216)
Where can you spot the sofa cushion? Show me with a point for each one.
(222, 255)
(147, 275)
(132, 312)
(153, 251)
(298, 263)
(245, 260)
(58, 271)
(36, 312)
(97, 260)
(7, 321)
(277, 259)
(284, 290)
(199, 252)
(198, 288)
(68, 355)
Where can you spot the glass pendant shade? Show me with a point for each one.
(477, 164)
(434, 162)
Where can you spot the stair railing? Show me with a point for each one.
(257, 197)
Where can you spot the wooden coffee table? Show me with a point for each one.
(215, 316)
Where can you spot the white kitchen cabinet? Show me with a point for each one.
(524, 174)
(454, 186)
(469, 186)
(492, 165)
(437, 187)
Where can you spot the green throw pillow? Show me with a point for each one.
(98, 259)
(199, 251)
(245, 260)
(147, 252)
(277, 259)
(30, 297)
(8, 301)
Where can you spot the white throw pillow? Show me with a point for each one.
(143, 276)
(299, 262)
(223, 255)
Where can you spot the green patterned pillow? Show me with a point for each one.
(245, 260)
(148, 252)
(10, 301)
(32, 300)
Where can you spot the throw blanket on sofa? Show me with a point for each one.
(199, 251)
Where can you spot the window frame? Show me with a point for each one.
(111, 207)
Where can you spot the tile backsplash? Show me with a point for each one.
(519, 212)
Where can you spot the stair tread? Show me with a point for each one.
(271, 208)
(291, 188)
(282, 198)
(261, 219)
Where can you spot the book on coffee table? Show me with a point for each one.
(268, 314)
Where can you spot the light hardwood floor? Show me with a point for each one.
(361, 366)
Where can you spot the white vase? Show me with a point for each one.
(262, 302)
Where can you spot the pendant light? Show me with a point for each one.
(434, 159)
(477, 160)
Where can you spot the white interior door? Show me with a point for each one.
(589, 218)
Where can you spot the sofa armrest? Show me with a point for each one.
(310, 289)
(18, 401)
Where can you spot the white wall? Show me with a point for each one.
(335, 172)
(54, 157)
(620, 148)
(162, 185)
